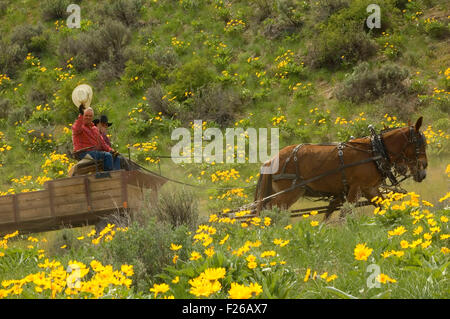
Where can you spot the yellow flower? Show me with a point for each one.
(314, 223)
(195, 256)
(238, 291)
(214, 273)
(201, 286)
(176, 280)
(174, 259)
(127, 270)
(175, 247)
(426, 244)
(383, 278)
(404, 244)
(445, 250)
(331, 278)
(397, 232)
(268, 253)
(418, 230)
(252, 265)
(162, 288)
(224, 239)
(362, 252)
(209, 252)
(308, 272)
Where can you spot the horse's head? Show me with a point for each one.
(411, 154)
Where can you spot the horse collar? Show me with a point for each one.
(384, 164)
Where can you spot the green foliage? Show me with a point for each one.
(191, 76)
(11, 55)
(215, 103)
(366, 83)
(126, 11)
(54, 9)
(177, 207)
(437, 29)
(31, 37)
(146, 247)
(105, 44)
(141, 75)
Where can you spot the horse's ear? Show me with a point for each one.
(419, 123)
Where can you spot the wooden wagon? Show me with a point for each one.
(76, 201)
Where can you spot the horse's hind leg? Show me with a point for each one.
(286, 200)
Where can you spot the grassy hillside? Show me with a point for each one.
(311, 68)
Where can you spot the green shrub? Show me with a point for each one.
(5, 108)
(190, 76)
(41, 91)
(335, 46)
(140, 75)
(155, 97)
(328, 8)
(105, 44)
(55, 9)
(147, 248)
(366, 83)
(177, 207)
(165, 57)
(215, 103)
(262, 9)
(11, 55)
(126, 11)
(106, 72)
(31, 37)
(3, 7)
(437, 29)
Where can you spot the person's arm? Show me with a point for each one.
(105, 147)
(77, 127)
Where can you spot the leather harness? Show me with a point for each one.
(379, 156)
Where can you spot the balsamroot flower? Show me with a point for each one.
(361, 252)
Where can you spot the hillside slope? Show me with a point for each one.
(312, 68)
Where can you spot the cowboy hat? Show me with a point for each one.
(103, 119)
(82, 94)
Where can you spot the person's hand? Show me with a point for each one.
(81, 109)
(114, 153)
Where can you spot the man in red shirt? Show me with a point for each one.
(88, 140)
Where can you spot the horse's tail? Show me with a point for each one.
(263, 189)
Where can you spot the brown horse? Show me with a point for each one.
(342, 171)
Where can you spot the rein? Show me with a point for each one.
(330, 172)
(380, 156)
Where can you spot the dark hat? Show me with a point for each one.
(103, 119)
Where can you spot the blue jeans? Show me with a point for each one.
(109, 161)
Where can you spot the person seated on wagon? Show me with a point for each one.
(85, 135)
(102, 125)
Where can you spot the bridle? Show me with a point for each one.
(386, 165)
(419, 141)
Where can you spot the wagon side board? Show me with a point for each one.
(76, 201)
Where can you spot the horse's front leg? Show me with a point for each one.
(370, 193)
(352, 197)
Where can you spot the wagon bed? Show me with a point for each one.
(76, 201)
